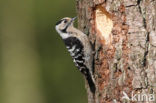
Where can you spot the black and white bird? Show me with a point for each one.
(79, 47)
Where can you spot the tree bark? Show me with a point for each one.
(123, 33)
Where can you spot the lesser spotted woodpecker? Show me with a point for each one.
(79, 48)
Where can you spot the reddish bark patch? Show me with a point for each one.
(106, 56)
(120, 31)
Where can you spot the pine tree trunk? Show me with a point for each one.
(123, 33)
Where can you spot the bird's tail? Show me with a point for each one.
(90, 82)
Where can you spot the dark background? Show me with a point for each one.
(35, 66)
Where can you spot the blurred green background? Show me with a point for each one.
(35, 66)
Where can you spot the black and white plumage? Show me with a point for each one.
(79, 47)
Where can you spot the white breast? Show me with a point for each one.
(63, 35)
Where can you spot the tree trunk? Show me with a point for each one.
(123, 33)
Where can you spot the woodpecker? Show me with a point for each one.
(79, 47)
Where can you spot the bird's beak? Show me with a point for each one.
(73, 19)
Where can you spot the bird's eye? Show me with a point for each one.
(65, 21)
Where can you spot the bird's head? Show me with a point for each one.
(63, 24)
